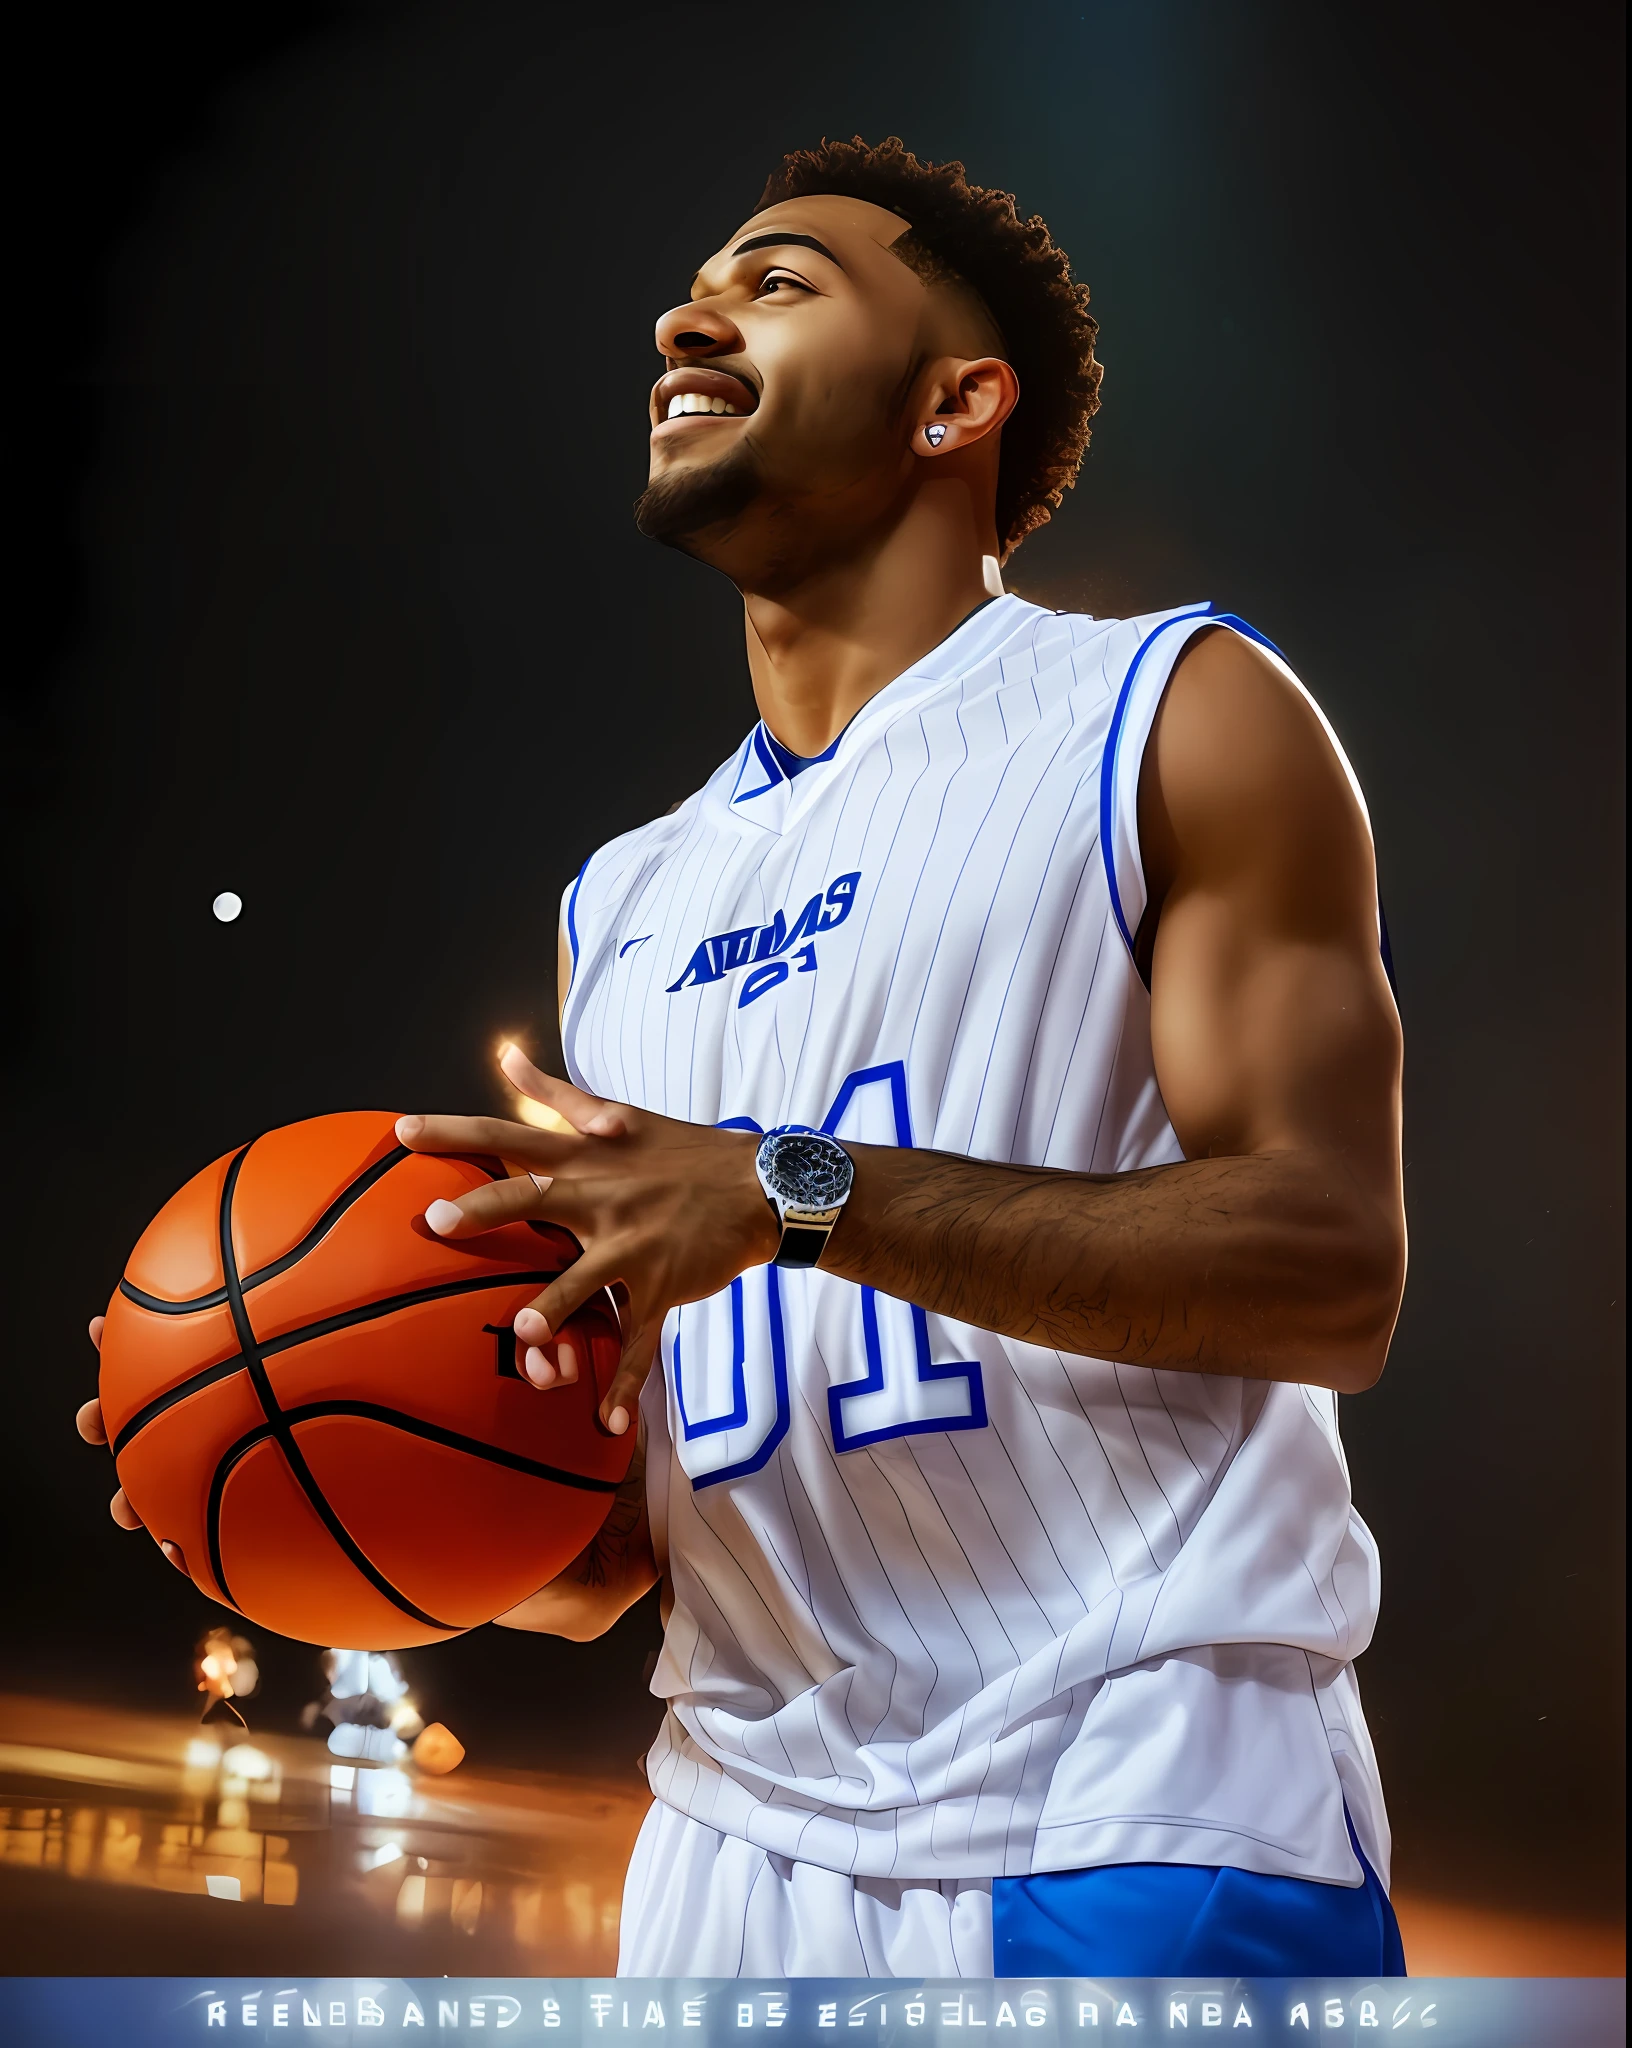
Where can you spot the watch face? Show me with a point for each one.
(807, 1170)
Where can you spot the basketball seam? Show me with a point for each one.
(313, 1238)
(212, 1513)
(285, 1437)
(433, 1432)
(370, 1311)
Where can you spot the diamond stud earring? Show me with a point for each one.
(935, 435)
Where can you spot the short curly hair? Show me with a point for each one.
(976, 235)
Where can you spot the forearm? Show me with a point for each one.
(607, 1576)
(1269, 1266)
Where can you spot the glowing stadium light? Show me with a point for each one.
(373, 1745)
(245, 1761)
(385, 1794)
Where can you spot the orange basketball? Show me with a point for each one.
(320, 1400)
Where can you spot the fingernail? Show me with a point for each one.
(531, 1327)
(566, 1360)
(538, 1368)
(409, 1128)
(618, 1421)
(444, 1216)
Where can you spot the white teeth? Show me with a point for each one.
(697, 401)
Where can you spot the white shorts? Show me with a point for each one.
(697, 1903)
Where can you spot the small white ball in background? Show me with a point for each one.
(227, 906)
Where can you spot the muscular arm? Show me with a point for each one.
(1277, 1249)
(1274, 1250)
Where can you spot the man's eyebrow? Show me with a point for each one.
(783, 237)
(781, 240)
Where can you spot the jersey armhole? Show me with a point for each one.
(567, 927)
(1139, 699)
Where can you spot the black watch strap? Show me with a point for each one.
(801, 1245)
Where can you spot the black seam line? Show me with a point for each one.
(143, 1416)
(372, 1310)
(286, 1442)
(368, 1313)
(413, 1425)
(314, 1237)
(212, 1514)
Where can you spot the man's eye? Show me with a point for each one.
(782, 281)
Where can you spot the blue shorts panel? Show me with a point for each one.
(1190, 1920)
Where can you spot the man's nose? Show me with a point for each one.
(691, 333)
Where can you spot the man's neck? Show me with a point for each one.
(819, 650)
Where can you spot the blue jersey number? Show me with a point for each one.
(729, 1353)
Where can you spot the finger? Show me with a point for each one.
(122, 1511)
(586, 1113)
(88, 1421)
(521, 1142)
(173, 1551)
(547, 1313)
(97, 1325)
(618, 1409)
(486, 1208)
(545, 1371)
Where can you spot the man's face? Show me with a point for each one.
(782, 421)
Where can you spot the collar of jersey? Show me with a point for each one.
(765, 765)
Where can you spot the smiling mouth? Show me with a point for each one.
(698, 401)
(696, 393)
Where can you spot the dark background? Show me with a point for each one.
(330, 336)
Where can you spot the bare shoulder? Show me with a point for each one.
(1241, 785)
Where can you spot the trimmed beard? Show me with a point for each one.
(686, 502)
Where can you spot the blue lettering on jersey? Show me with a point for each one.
(756, 944)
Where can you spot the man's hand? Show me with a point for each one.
(88, 1421)
(666, 1212)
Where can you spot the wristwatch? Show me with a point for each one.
(806, 1177)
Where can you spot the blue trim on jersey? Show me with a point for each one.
(757, 750)
(1249, 633)
(572, 913)
(1107, 765)
(1107, 806)
(793, 764)
(781, 764)
(1192, 1920)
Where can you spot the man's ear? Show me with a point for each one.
(963, 403)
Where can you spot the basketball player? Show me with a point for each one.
(985, 1110)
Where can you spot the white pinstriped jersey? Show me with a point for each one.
(945, 1604)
